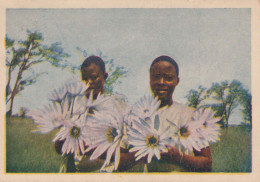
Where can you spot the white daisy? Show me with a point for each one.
(148, 139)
(76, 87)
(83, 104)
(50, 117)
(209, 129)
(75, 135)
(185, 136)
(58, 95)
(128, 115)
(146, 107)
(106, 131)
(127, 118)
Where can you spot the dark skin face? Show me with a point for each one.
(163, 80)
(94, 76)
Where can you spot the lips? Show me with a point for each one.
(158, 90)
(161, 91)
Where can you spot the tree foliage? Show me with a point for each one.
(223, 98)
(22, 55)
(246, 111)
(195, 97)
(227, 96)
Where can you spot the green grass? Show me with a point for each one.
(28, 152)
(233, 152)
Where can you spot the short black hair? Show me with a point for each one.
(167, 59)
(94, 59)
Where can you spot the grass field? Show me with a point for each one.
(28, 152)
(233, 152)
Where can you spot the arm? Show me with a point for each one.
(58, 146)
(127, 160)
(201, 162)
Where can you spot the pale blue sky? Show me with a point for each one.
(210, 45)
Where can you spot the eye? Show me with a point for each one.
(168, 77)
(94, 77)
(157, 76)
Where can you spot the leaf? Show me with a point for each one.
(156, 122)
(195, 97)
(8, 42)
(228, 94)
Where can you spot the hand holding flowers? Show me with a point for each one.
(85, 126)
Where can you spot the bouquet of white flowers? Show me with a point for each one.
(68, 112)
(84, 126)
(149, 134)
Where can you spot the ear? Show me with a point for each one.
(105, 75)
(178, 80)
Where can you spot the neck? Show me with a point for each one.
(166, 103)
(94, 95)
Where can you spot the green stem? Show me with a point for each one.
(71, 164)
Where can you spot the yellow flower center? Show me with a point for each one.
(75, 132)
(91, 110)
(146, 110)
(111, 134)
(184, 132)
(204, 125)
(152, 141)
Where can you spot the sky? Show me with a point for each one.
(209, 45)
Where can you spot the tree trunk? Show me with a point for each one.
(225, 116)
(9, 113)
(9, 80)
(229, 110)
(15, 91)
(226, 122)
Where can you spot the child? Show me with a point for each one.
(94, 74)
(164, 77)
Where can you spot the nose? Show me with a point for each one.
(90, 81)
(161, 80)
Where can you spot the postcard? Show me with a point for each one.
(141, 90)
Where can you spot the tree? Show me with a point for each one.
(227, 96)
(219, 112)
(115, 72)
(10, 64)
(195, 97)
(24, 54)
(246, 102)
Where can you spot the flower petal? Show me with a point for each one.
(99, 150)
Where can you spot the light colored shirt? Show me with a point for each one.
(162, 165)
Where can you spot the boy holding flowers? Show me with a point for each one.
(164, 77)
